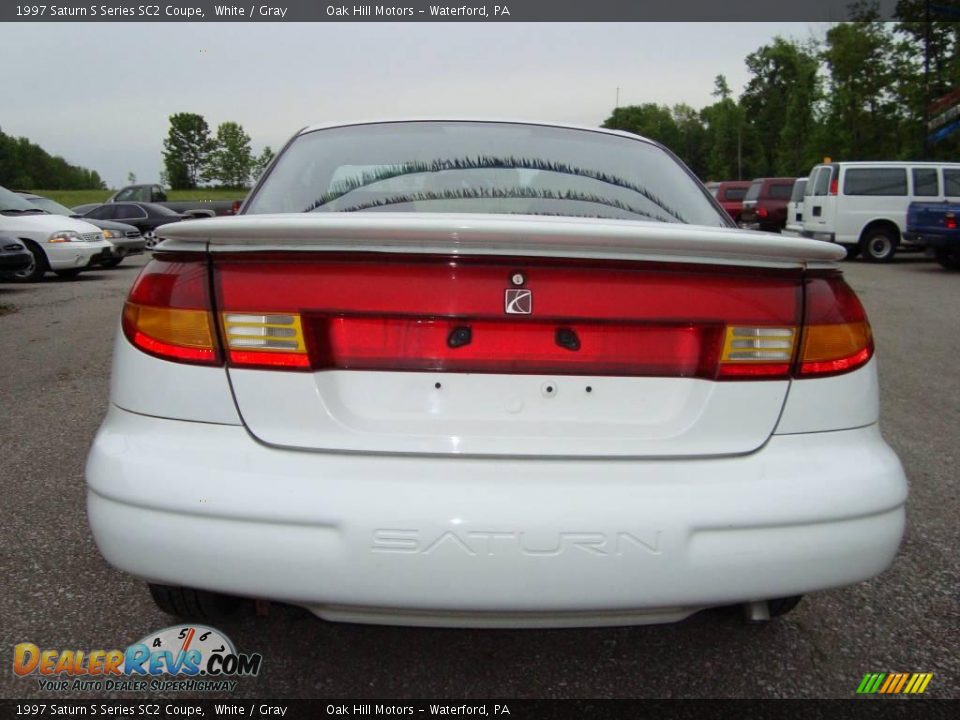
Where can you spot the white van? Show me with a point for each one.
(863, 205)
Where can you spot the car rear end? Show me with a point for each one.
(448, 418)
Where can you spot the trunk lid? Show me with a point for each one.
(501, 335)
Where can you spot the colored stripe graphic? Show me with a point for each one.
(894, 683)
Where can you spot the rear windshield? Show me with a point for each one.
(781, 191)
(735, 193)
(799, 186)
(754, 192)
(467, 167)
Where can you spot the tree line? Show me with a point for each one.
(25, 165)
(860, 93)
(191, 155)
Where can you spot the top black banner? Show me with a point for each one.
(476, 11)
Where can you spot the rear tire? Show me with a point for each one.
(879, 246)
(193, 604)
(36, 270)
(948, 259)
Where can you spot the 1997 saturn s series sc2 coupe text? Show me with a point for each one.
(491, 374)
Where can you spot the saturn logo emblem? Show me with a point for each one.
(518, 301)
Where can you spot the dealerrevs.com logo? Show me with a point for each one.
(192, 658)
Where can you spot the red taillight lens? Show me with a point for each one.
(499, 346)
(168, 312)
(382, 312)
(836, 334)
(950, 221)
(834, 186)
(761, 212)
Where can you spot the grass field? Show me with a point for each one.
(72, 198)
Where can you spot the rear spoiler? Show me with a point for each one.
(496, 235)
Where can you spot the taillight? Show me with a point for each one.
(834, 186)
(437, 314)
(168, 312)
(950, 221)
(836, 333)
(264, 340)
(440, 314)
(761, 212)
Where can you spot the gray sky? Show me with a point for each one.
(100, 94)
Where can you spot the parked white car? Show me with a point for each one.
(863, 205)
(491, 374)
(61, 244)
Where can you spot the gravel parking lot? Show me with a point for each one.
(57, 592)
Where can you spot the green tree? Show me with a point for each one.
(691, 144)
(261, 162)
(861, 117)
(650, 120)
(779, 101)
(725, 124)
(25, 165)
(186, 150)
(914, 89)
(231, 162)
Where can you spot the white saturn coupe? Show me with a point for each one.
(476, 373)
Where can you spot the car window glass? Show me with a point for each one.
(754, 192)
(875, 181)
(126, 194)
(781, 191)
(736, 193)
(474, 167)
(799, 188)
(951, 183)
(821, 185)
(104, 212)
(11, 201)
(129, 212)
(925, 182)
(51, 206)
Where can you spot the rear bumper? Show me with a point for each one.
(124, 247)
(932, 239)
(495, 542)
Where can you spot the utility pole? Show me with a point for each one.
(926, 81)
(616, 104)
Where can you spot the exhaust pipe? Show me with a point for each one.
(757, 612)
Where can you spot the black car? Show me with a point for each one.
(144, 216)
(14, 255)
(126, 239)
